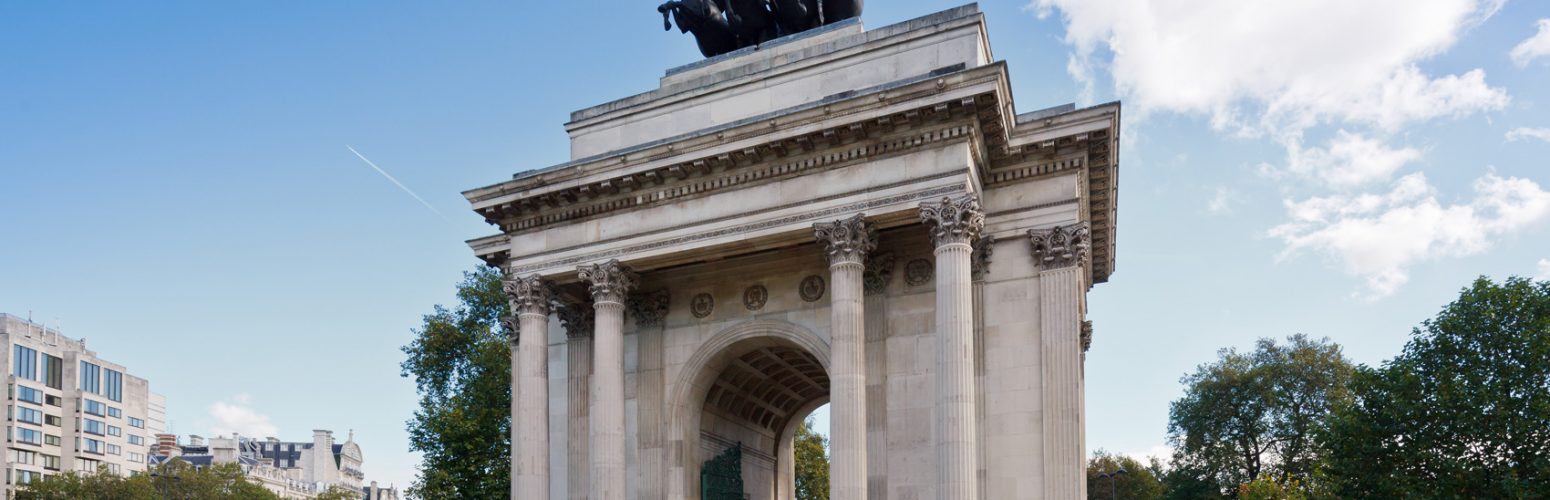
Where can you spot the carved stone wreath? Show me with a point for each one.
(918, 272)
(755, 297)
(702, 305)
(812, 288)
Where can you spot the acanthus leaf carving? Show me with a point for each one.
(846, 240)
(878, 273)
(577, 319)
(1060, 246)
(610, 281)
(952, 220)
(649, 309)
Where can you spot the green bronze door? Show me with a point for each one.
(722, 477)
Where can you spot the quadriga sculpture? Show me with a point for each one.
(721, 26)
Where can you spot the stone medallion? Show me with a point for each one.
(755, 297)
(917, 272)
(701, 305)
(812, 288)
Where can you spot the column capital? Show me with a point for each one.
(979, 259)
(952, 220)
(846, 240)
(610, 281)
(878, 273)
(528, 294)
(577, 320)
(1060, 246)
(650, 308)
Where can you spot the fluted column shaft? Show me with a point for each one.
(529, 298)
(610, 283)
(579, 364)
(847, 243)
(955, 224)
(1061, 254)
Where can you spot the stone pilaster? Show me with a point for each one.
(577, 319)
(846, 243)
(610, 284)
(650, 313)
(955, 225)
(1061, 253)
(529, 298)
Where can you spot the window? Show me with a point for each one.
(24, 457)
(29, 415)
(113, 449)
(53, 372)
(29, 436)
(138, 458)
(91, 378)
(28, 394)
(135, 422)
(50, 462)
(86, 465)
(52, 400)
(115, 412)
(27, 476)
(96, 408)
(26, 363)
(113, 384)
(115, 431)
(51, 440)
(133, 439)
(51, 420)
(91, 445)
(92, 427)
(113, 468)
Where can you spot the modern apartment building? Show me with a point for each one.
(68, 409)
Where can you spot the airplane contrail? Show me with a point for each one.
(399, 184)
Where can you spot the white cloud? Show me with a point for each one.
(1378, 237)
(1221, 202)
(1534, 47)
(1279, 67)
(1290, 70)
(1349, 160)
(1524, 133)
(237, 415)
(1544, 269)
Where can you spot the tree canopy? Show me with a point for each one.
(1463, 411)
(812, 463)
(1139, 482)
(460, 361)
(1250, 414)
(175, 479)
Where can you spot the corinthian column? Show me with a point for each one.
(955, 225)
(610, 283)
(847, 242)
(1060, 253)
(529, 299)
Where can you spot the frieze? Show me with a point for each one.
(745, 228)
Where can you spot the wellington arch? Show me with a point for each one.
(858, 217)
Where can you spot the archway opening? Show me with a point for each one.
(753, 408)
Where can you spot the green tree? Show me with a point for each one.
(1249, 414)
(1268, 488)
(176, 479)
(461, 365)
(1463, 411)
(1139, 482)
(812, 463)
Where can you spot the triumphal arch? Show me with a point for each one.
(845, 216)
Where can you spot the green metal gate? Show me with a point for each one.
(722, 477)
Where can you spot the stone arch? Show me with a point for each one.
(699, 373)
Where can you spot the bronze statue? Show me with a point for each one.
(721, 26)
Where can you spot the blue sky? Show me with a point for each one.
(175, 184)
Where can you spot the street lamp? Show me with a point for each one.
(1113, 478)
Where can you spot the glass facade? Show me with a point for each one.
(25, 363)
